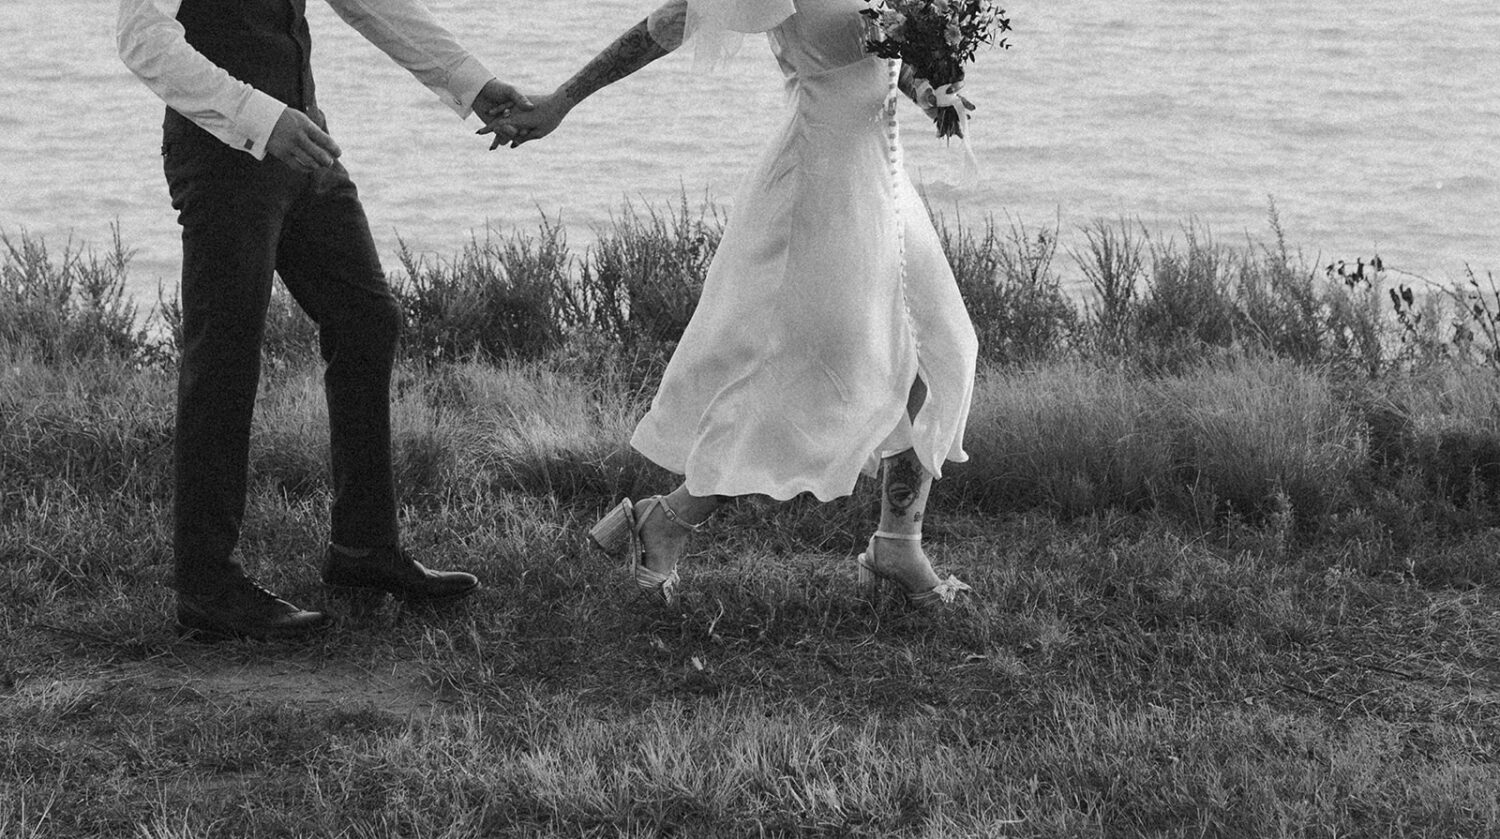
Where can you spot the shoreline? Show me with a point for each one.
(158, 270)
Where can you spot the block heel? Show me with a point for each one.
(612, 534)
(619, 533)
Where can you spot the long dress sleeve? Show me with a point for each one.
(716, 27)
(154, 46)
(668, 24)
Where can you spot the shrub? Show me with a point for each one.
(1280, 308)
(1353, 337)
(1476, 323)
(1445, 432)
(1113, 266)
(1187, 312)
(494, 300)
(1013, 296)
(71, 309)
(642, 278)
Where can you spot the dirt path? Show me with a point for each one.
(400, 689)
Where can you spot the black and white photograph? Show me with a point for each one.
(749, 418)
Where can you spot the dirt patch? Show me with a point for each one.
(393, 688)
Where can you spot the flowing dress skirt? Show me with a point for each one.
(828, 297)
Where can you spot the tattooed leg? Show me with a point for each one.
(904, 483)
(903, 502)
(904, 489)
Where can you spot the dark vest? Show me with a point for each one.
(264, 43)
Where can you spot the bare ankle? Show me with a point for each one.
(664, 541)
(902, 557)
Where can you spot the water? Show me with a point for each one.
(1375, 127)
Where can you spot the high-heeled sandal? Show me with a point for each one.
(869, 576)
(619, 532)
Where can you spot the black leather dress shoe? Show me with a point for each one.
(390, 569)
(242, 608)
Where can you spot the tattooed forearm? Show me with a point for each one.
(629, 53)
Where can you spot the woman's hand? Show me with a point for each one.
(920, 91)
(515, 127)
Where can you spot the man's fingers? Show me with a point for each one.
(312, 153)
(317, 149)
(497, 96)
(322, 144)
(502, 132)
(513, 98)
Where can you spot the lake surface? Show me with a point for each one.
(1374, 126)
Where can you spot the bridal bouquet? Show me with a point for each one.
(935, 38)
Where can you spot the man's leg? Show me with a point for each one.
(230, 210)
(329, 263)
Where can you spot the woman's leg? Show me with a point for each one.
(664, 540)
(904, 487)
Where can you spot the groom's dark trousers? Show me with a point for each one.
(241, 220)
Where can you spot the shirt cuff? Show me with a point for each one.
(464, 85)
(256, 121)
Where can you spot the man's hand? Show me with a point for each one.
(519, 127)
(299, 143)
(496, 101)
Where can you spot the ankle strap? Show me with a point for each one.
(905, 537)
(672, 516)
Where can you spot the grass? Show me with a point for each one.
(1223, 591)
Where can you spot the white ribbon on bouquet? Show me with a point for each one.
(947, 97)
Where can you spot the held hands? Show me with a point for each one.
(299, 143)
(515, 127)
(496, 101)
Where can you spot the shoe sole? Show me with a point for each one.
(207, 632)
(346, 590)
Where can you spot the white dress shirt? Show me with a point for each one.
(154, 46)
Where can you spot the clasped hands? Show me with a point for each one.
(298, 142)
(514, 126)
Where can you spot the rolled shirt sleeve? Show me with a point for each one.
(406, 31)
(154, 46)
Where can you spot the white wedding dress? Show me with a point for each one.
(828, 296)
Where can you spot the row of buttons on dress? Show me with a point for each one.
(893, 157)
